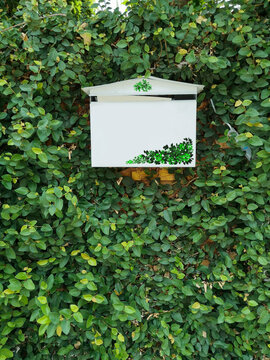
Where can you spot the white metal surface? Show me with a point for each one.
(121, 131)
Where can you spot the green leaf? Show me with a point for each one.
(34, 68)
(178, 58)
(122, 44)
(42, 299)
(118, 307)
(121, 338)
(78, 317)
(15, 285)
(70, 74)
(74, 308)
(218, 300)
(187, 291)
(26, 87)
(255, 141)
(60, 231)
(129, 310)
(238, 39)
(213, 59)
(264, 317)
(252, 303)
(37, 150)
(98, 342)
(99, 42)
(246, 102)
(29, 285)
(168, 216)
(5, 354)
(91, 261)
(247, 77)
(262, 260)
(266, 103)
(61, 65)
(197, 236)
(43, 158)
(65, 324)
(10, 253)
(246, 29)
(195, 208)
(210, 183)
(146, 48)
(22, 276)
(252, 206)
(88, 297)
(190, 57)
(263, 154)
(3, 82)
(51, 330)
(43, 262)
(44, 320)
(22, 191)
(196, 305)
(65, 350)
(245, 51)
(205, 205)
(98, 299)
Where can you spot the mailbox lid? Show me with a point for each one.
(158, 87)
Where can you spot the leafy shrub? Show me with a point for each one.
(94, 266)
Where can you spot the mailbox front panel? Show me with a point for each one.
(143, 134)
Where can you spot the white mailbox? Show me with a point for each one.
(143, 123)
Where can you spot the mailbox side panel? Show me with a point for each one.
(122, 132)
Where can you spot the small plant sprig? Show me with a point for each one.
(143, 86)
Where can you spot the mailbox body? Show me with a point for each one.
(156, 128)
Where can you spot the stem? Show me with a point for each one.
(24, 23)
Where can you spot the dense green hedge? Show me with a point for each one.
(94, 266)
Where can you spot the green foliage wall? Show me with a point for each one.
(98, 267)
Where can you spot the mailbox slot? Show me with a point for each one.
(143, 98)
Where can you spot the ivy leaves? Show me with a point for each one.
(95, 263)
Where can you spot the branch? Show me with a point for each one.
(195, 178)
(24, 23)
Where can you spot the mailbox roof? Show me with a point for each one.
(159, 87)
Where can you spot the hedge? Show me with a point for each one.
(94, 265)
